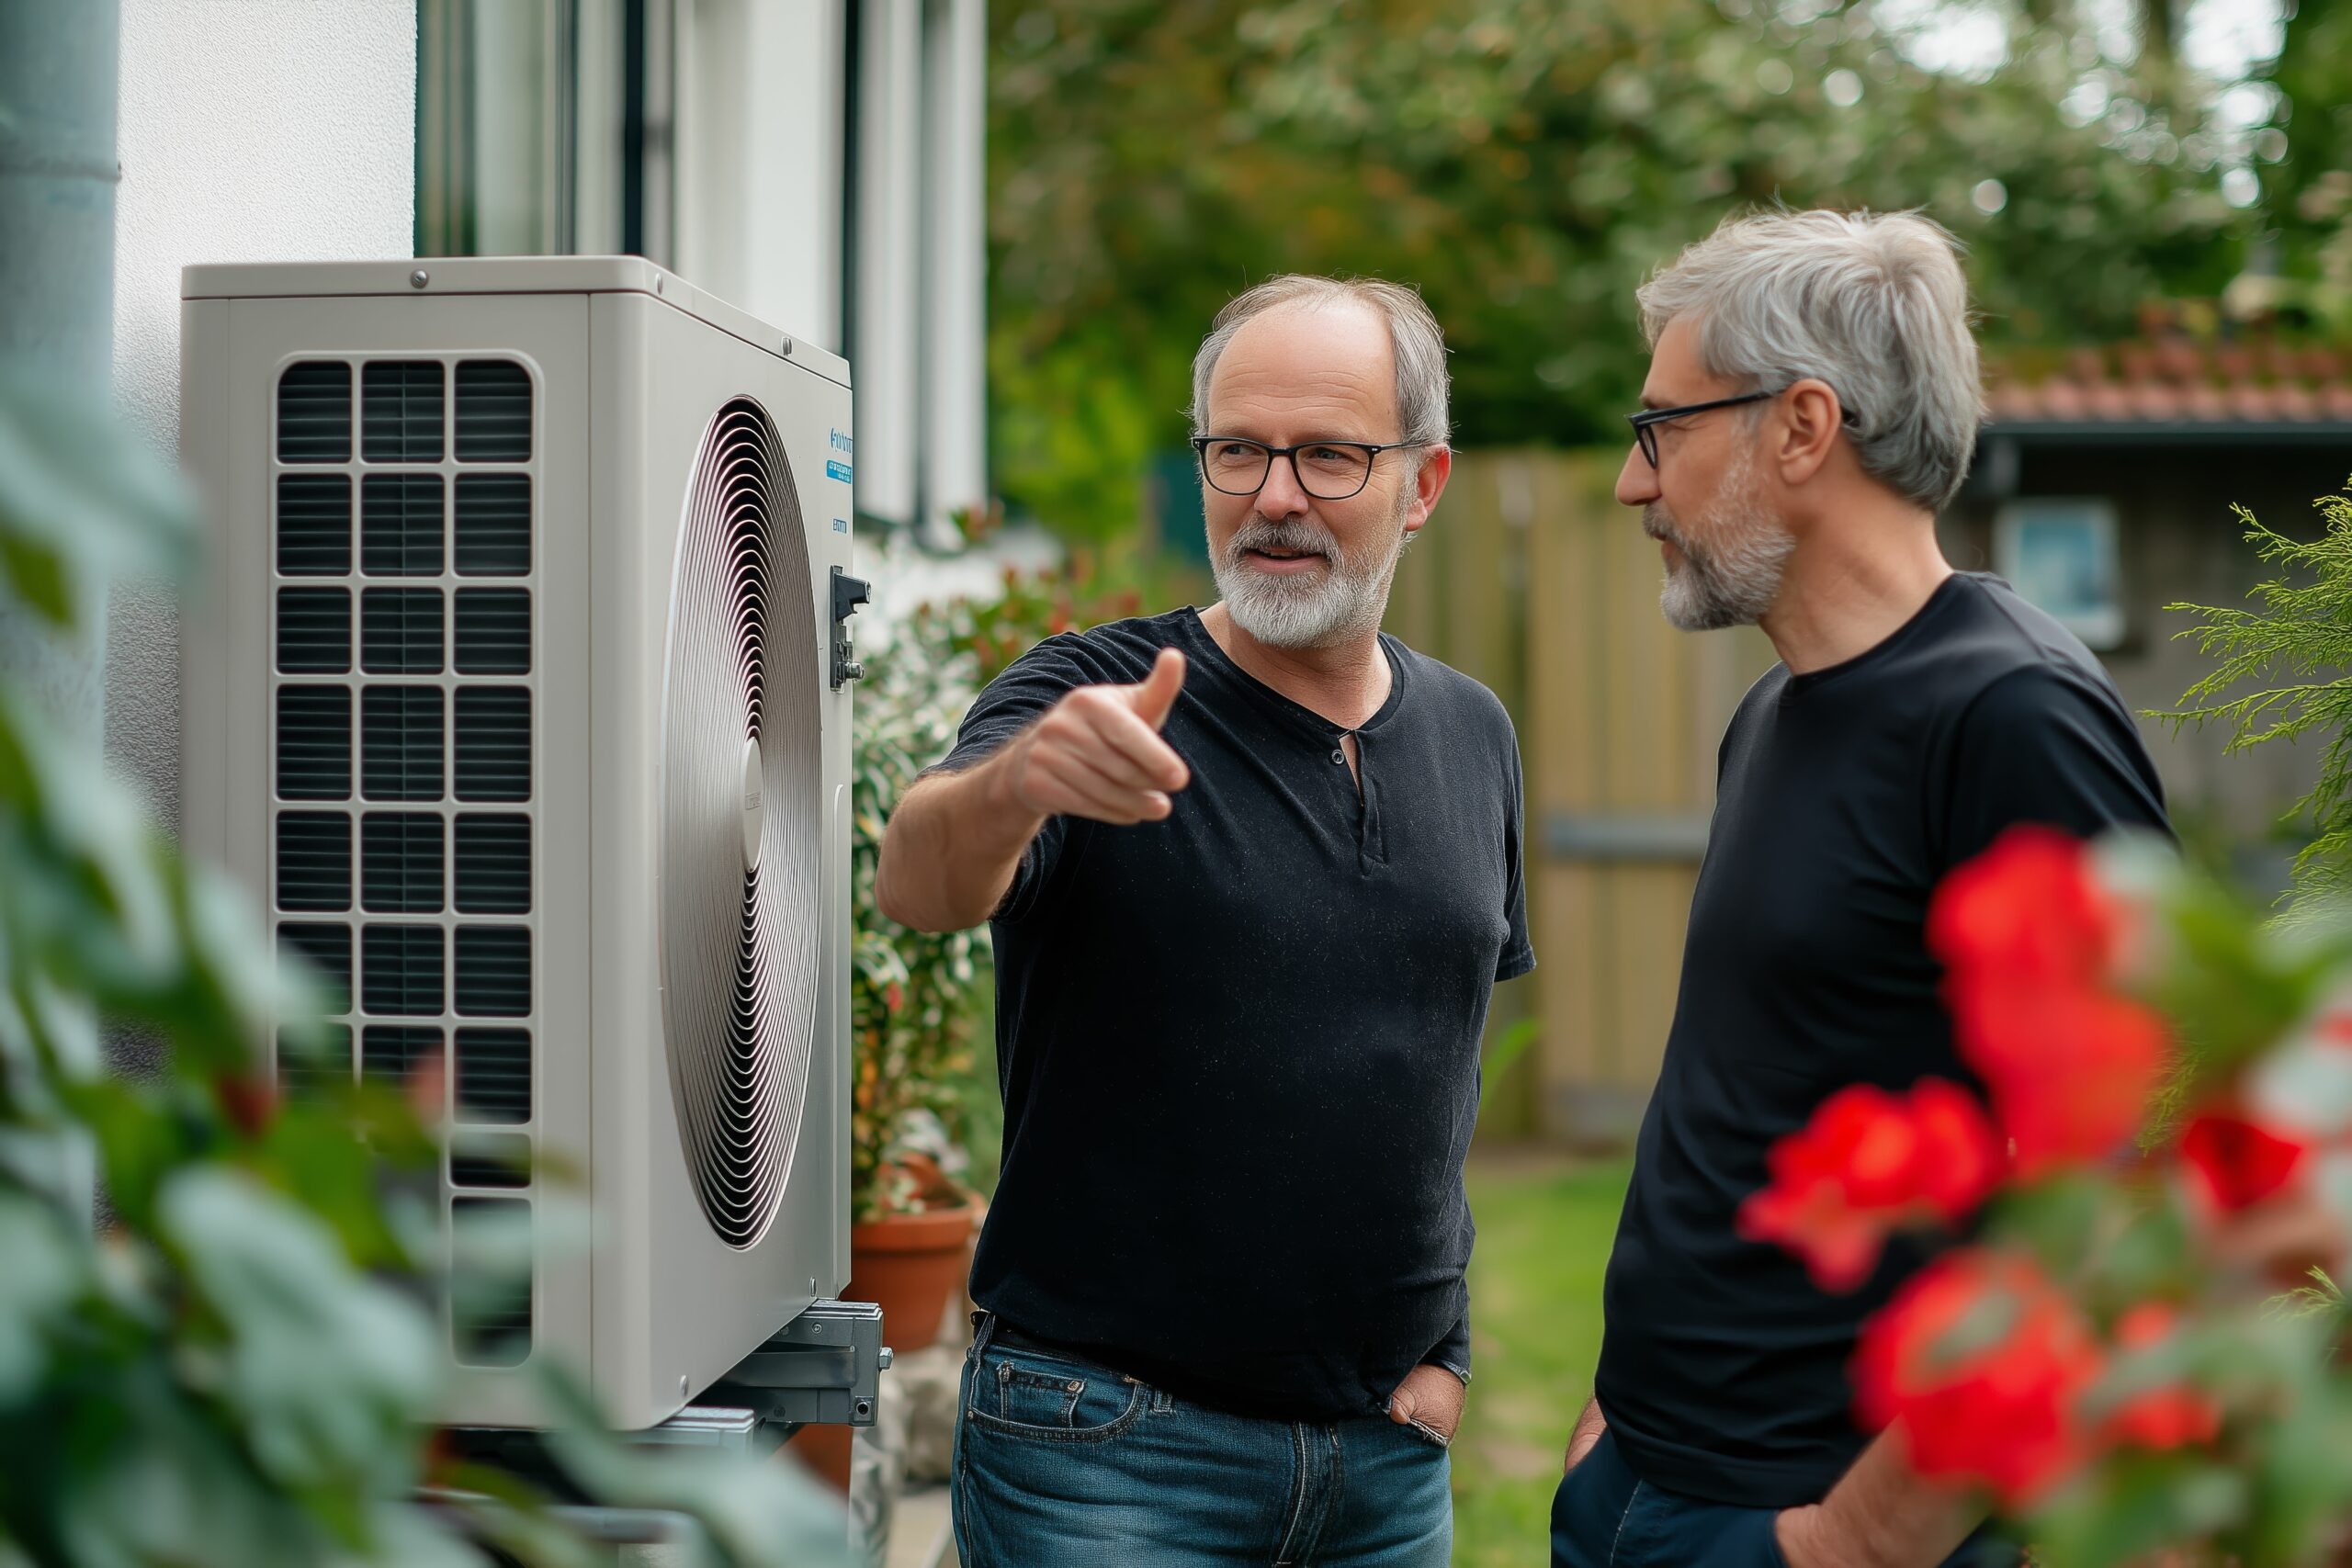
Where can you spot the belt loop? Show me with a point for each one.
(983, 1329)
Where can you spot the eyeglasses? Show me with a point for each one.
(1645, 423)
(1327, 470)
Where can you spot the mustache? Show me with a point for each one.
(1299, 537)
(1656, 524)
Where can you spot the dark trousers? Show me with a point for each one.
(1606, 1516)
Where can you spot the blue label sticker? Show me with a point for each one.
(841, 524)
(837, 471)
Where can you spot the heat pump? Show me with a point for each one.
(516, 692)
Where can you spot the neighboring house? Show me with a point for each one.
(2103, 489)
(818, 163)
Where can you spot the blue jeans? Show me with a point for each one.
(1606, 1516)
(1062, 1463)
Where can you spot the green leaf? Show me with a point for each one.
(83, 501)
(324, 1366)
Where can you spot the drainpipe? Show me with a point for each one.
(58, 61)
(58, 66)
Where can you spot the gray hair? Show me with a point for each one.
(1873, 304)
(1415, 341)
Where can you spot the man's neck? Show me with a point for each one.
(1853, 584)
(1345, 683)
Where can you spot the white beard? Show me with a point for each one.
(1312, 609)
(1735, 578)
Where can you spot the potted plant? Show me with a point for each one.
(916, 998)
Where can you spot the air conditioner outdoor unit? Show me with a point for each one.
(515, 693)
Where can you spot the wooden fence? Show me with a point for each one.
(1532, 579)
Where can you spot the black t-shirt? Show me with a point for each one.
(1844, 796)
(1239, 1047)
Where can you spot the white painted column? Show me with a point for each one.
(953, 464)
(888, 202)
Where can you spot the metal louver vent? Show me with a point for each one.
(391, 1052)
(399, 631)
(314, 742)
(493, 411)
(493, 864)
(328, 951)
(740, 823)
(400, 862)
(313, 861)
(399, 525)
(490, 1306)
(314, 412)
(313, 524)
(399, 411)
(489, 1159)
(494, 635)
(313, 631)
(400, 742)
(493, 524)
(303, 1071)
(494, 1074)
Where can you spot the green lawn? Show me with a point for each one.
(1543, 1234)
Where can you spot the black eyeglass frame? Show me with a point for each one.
(1644, 423)
(1371, 451)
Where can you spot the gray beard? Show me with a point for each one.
(1314, 610)
(1734, 579)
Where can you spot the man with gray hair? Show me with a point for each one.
(1812, 400)
(1252, 872)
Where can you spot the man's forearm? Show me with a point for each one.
(953, 844)
(1881, 1514)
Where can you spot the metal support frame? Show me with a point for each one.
(825, 1366)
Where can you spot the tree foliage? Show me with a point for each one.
(2310, 191)
(1526, 163)
(2296, 649)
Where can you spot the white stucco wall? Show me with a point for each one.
(250, 131)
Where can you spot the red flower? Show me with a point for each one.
(2029, 909)
(2029, 938)
(2167, 1418)
(1868, 1163)
(1980, 1363)
(2069, 1069)
(2238, 1162)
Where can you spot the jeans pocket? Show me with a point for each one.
(1046, 1398)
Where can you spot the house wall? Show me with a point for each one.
(250, 131)
(2178, 541)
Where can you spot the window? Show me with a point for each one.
(2062, 554)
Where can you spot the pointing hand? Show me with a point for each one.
(1098, 754)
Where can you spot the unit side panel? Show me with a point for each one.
(703, 1303)
(220, 676)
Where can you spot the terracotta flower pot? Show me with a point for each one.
(909, 1264)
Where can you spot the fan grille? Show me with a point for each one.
(740, 941)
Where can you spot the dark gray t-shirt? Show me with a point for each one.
(1238, 1048)
(1844, 797)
